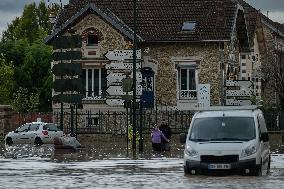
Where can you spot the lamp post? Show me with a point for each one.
(52, 19)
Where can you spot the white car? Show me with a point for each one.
(227, 139)
(33, 133)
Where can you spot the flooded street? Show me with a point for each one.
(99, 166)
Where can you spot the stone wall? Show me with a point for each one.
(166, 84)
(112, 38)
(268, 96)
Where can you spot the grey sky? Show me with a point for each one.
(9, 9)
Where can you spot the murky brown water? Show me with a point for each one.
(106, 165)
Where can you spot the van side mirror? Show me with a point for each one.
(182, 138)
(264, 137)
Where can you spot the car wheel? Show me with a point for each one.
(38, 141)
(9, 141)
(186, 170)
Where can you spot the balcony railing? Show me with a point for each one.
(188, 95)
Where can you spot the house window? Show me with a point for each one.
(94, 82)
(243, 64)
(244, 71)
(92, 40)
(243, 56)
(187, 83)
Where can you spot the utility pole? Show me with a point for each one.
(134, 121)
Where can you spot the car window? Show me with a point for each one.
(34, 127)
(50, 127)
(24, 128)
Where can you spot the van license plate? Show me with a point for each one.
(219, 166)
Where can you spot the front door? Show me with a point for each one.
(147, 98)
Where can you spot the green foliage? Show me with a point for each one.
(29, 61)
(23, 101)
(6, 80)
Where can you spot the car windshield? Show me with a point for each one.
(223, 129)
(23, 128)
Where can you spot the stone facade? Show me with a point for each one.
(166, 82)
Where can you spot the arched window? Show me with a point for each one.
(92, 36)
(92, 40)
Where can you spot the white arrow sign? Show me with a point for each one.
(239, 93)
(114, 77)
(239, 83)
(115, 102)
(122, 55)
(121, 66)
(234, 102)
(118, 91)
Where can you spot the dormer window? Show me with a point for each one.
(189, 26)
(92, 40)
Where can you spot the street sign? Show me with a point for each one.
(68, 98)
(239, 93)
(66, 42)
(238, 102)
(70, 69)
(239, 83)
(121, 66)
(118, 90)
(117, 77)
(61, 85)
(115, 102)
(203, 95)
(68, 55)
(122, 55)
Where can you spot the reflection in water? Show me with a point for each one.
(108, 166)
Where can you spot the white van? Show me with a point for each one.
(227, 139)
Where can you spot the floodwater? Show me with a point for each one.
(108, 165)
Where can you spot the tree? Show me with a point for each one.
(6, 80)
(22, 45)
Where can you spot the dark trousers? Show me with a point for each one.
(156, 146)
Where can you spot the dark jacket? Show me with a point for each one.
(166, 130)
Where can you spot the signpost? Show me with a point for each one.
(238, 92)
(122, 55)
(121, 66)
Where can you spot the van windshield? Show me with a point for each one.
(223, 129)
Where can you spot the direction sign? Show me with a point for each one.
(239, 83)
(118, 90)
(121, 66)
(115, 102)
(117, 77)
(122, 55)
(238, 102)
(239, 92)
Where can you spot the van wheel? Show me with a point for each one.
(38, 141)
(9, 141)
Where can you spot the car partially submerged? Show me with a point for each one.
(34, 133)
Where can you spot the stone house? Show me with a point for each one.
(183, 44)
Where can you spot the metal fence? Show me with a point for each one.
(118, 123)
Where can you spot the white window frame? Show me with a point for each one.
(87, 97)
(191, 62)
